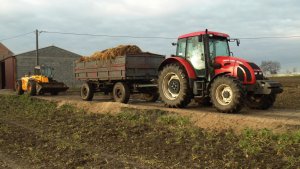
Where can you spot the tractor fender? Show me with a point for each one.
(213, 79)
(181, 61)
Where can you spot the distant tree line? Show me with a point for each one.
(270, 67)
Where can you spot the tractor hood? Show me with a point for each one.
(244, 70)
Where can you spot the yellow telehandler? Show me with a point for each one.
(40, 83)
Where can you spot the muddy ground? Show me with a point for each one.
(36, 133)
(69, 133)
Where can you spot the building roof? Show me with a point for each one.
(52, 47)
(5, 52)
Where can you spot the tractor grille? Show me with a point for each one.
(258, 73)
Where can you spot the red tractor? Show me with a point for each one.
(204, 70)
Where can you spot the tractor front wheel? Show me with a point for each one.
(227, 94)
(19, 89)
(31, 88)
(173, 85)
(262, 102)
(87, 92)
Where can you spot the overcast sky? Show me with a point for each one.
(165, 18)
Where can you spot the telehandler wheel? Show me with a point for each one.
(18, 87)
(173, 86)
(151, 97)
(31, 88)
(87, 92)
(262, 102)
(121, 92)
(227, 94)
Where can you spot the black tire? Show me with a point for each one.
(121, 92)
(87, 91)
(18, 87)
(173, 86)
(261, 102)
(227, 94)
(151, 97)
(31, 88)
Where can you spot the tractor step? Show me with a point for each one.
(199, 88)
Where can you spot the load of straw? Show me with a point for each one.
(112, 53)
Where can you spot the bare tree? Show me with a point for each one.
(294, 69)
(271, 67)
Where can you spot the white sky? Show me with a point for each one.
(167, 18)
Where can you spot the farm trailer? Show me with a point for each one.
(121, 76)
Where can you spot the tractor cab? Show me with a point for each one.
(46, 71)
(201, 49)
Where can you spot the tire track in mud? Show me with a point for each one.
(122, 160)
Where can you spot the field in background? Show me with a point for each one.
(290, 98)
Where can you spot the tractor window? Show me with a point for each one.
(181, 45)
(195, 52)
(47, 71)
(218, 47)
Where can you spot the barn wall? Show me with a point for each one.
(60, 59)
(10, 73)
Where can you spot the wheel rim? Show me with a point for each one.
(224, 94)
(118, 93)
(171, 86)
(84, 91)
(29, 87)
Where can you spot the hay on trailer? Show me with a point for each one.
(112, 53)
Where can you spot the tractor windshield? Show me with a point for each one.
(47, 71)
(218, 46)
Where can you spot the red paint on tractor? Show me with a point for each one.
(230, 64)
(203, 33)
(188, 67)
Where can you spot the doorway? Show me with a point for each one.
(2, 75)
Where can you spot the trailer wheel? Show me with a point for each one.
(87, 91)
(173, 85)
(151, 97)
(121, 92)
(262, 102)
(227, 94)
(18, 87)
(31, 88)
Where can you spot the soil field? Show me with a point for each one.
(290, 98)
(35, 133)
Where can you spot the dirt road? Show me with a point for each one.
(205, 117)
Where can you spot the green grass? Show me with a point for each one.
(44, 136)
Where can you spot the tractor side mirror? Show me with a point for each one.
(238, 42)
(174, 44)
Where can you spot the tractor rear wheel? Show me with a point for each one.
(262, 102)
(87, 92)
(18, 87)
(173, 85)
(31, 88)
(227, 94)
(121, 92)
